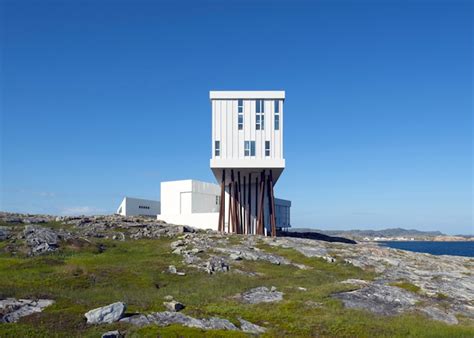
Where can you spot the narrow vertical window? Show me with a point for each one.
(277, 115)
(260, 110)
(217, 148)
(240, 116)
(267, 148)
(252, 148)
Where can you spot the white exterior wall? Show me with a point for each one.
(188, 196)
(199, 220)
(198, 207)
(138, 207)
(225, 129)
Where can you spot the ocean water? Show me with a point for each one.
(435, 248)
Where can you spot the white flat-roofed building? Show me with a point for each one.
(197, 203)
(247, 157)
(138, 207)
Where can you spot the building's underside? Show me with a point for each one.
(247, 201)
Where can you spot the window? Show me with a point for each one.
(260, 108)
(240, 106)
(217, 148)
(249, 148)
(277, 115)
(260, 117)
(240, 116)
(143, 207)
(218, 200)
(267, 148)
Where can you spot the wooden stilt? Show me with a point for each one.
(264, 182)
(232, 177)
(245, 208)
(260, 218)
(222, 204)
(239, 195)
(236, 207)
(249, 203)
(229, 225)
(255, 231)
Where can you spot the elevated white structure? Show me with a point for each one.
(247, 157)
(196, 203)
(138, 207)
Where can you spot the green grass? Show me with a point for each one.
(80, 277)
(407, 286)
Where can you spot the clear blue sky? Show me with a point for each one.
(102, 99)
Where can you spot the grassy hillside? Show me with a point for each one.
(85, 274)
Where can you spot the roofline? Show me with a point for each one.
(246, 94)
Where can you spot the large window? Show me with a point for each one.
(260, 116)
(267, 148)
(240, 116)
(249, 148)
(277, 115)
(217, 148)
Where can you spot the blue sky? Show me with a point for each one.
(102, 99)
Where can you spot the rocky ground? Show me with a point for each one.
(440, 288)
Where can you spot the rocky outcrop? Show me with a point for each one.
(440, 315)
(168, 318)
(12, 309)
(260, 295)
(4, 233)
(437, 277)
(380, 299)
(40, 240)
(249, 327)
(106, 314)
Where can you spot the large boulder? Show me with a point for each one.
(174, 306)
(12, 309)
(106, 314)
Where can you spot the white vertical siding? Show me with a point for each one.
(225, 129)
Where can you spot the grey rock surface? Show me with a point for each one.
(168, 318)
(261, 294)
(12, 309)
(40, 240)
(380, 299)
(106, 314)
(4, 233)
(174, 306)
(112, 334)
(216, 264)
(440, 315)
(249, 327)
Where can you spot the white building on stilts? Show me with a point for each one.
(247, 158)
